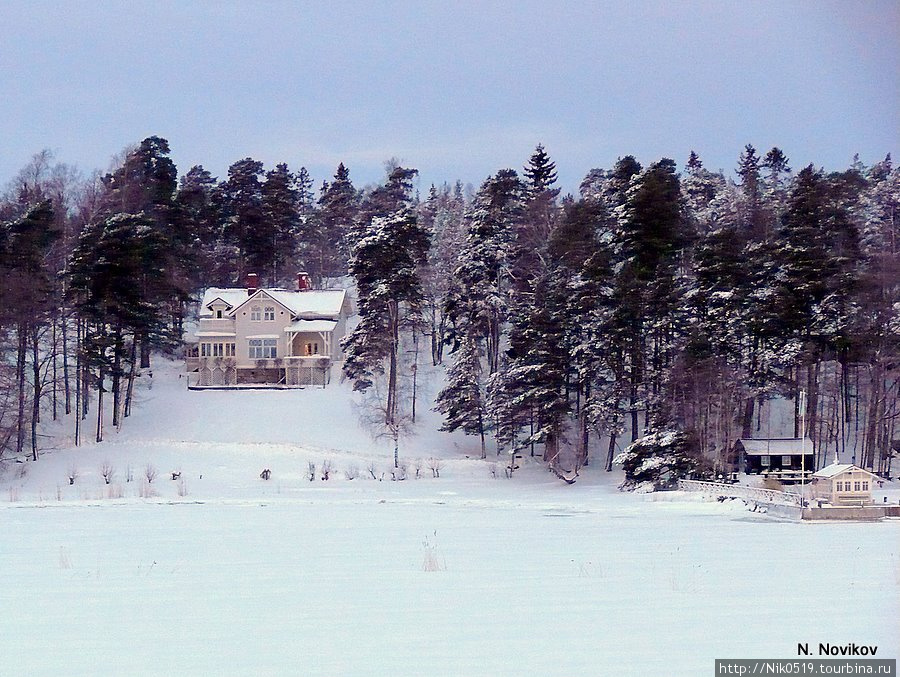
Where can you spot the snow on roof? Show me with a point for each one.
(231, 297)
(214, 333)
(777, 447)
(836, 469)
(311, 303)
(311, 325)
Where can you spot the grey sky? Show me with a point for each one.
(456, 89)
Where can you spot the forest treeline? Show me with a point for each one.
(655, 304)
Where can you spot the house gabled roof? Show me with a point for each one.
(784, 446)
(311, 304)
(230, 297)
(835, 469)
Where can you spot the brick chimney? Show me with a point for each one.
(303, 283)
(252, 283)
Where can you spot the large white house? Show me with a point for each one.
(256, 335)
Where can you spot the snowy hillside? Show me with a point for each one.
(220, 572)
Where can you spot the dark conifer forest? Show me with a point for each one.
(662, 304)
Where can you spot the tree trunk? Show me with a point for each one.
(118, 349)
(78, 381)
(100, 377)
(145, 353)
(65, 366)
(132, 372)
(37, 389)
(21, 354)
(53, 361)
(610, 451)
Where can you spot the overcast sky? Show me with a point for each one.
(457, 89)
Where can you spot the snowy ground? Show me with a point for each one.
(223, 573)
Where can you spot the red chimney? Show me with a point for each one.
(252, 283)
(303, 283)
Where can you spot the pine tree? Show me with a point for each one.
(244, 228)
(462, 401)
(385, 260)
(281, 216)
(329, 248)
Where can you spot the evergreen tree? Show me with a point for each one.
(281, 216)
(462, 401)
(385, 260)
(338, 207)
(245, 228)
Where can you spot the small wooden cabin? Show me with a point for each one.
(788, 457)
(844, 484)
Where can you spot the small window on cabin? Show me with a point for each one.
(255, 314)
(218, 313)
(229, 350)
(857, 486)
(838, 486)
(270, 313)
(785, 461)
(865, 486)
(765, 460)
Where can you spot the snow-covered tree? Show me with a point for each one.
(385, 260)
(658, 460)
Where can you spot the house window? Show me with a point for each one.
(229, 350)
(785, 461)
(765, 460)
(270, 313)
(838, 486)
(262, 349)
(312, 348)
(204, 350)
(255, 314)
(865, 486)
(856, 486)
(219, 314)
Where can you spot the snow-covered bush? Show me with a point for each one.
(107, 471)
(310, 471)
(658, 460)
(435, 465)
(72, 473)
(352, 472)
(150, 473)
(326, 470)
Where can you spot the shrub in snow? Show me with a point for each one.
(435, 465)
(265, 474)
(399, 473)
(311, 471)
(72, 474)
(372, 468)
(352, 472)
(150, 473)
(431, 561)
(326, 470)
(658, 460)
(417, 464)
(107, 471)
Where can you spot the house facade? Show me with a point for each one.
(844, 484)
(254, 335)
(791, 457)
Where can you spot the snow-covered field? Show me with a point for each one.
(223, 573)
